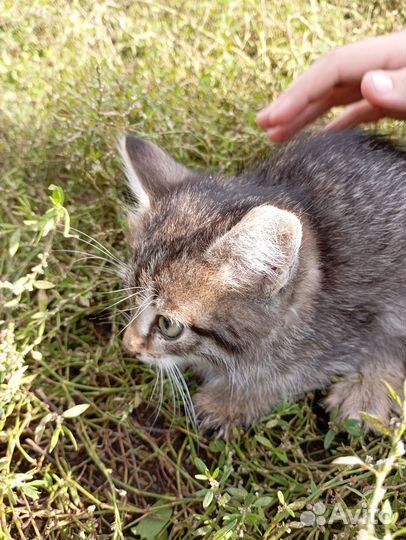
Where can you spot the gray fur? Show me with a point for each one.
(341, 311)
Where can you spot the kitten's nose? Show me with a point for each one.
(133, 343)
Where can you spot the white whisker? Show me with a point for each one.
(99, 245)
(124, 299)
(121, 290)
(159, 382)
(185, 395)
(109, 271)
(172, 386)
(87, 255)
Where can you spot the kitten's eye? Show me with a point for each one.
(170, 328)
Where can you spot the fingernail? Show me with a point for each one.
(383, 83)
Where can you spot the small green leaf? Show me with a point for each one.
(264, 441)
(152, 525)
(353, 427)
(57, 195)
(400, 448)
(281, 498)
(43, 284)
(237, 493)
(31, 491)
(201, 466)
(386, 512)
(66, 431)
(376, 424)
(39, 315)
(208, 498)
(263, 501)
(75, 411)
(253, 519)
(218, 445)
(201, 492)
(55, 438)
(393, 394)
(224, 500)
(313, 487)
(66, 225)
(48, 226)
(14, 242)
(329, 438)
(203, 531)
(200, 476)
(273, 422)
(224, 532)
(37, 355)
(74, 495)
(280, 454)
(227, 471)
(12, 303)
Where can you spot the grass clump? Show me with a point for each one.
(79, 454)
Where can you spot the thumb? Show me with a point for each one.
(386, 89)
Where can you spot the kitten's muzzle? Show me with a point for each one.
(132, 343)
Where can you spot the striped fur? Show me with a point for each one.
(284, 278)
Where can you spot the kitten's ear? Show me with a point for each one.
(262, 247)
(150, 171)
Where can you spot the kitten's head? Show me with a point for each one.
(209, 261)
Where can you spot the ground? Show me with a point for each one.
(191, 76)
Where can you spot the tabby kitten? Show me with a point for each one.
(276, 282)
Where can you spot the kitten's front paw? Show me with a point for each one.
(214, 416)
(211, 427)
(363, 394)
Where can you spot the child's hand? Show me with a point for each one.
(370, 74)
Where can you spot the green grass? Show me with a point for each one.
(190, 75)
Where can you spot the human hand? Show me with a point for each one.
(370, 75)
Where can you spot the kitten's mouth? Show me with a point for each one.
(129, 352)
(145, 358)
(157, 361)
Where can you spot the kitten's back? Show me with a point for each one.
(352, 187)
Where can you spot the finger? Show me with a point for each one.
(359, 113)
(386, 89)
(345, 65)
(339, 96)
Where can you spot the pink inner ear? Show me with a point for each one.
(265, 243)
(133, 178)
(151, 172)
